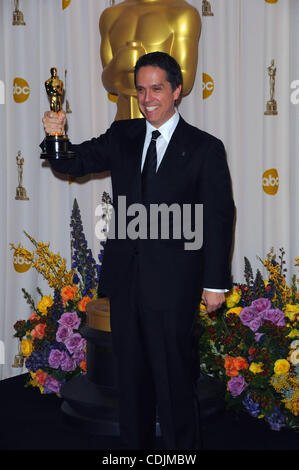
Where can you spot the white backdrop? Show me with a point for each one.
(236, 46)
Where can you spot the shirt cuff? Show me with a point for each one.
(216, 290)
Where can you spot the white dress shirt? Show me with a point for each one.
(166, 130)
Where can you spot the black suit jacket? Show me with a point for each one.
(193, 170)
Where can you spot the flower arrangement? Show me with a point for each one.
(51, 342)
(252, 344)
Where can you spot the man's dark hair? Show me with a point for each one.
(165, 62)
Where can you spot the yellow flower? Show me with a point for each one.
(256, 367)
(26, 347)
(291, 311)
(292, 308)
(281, 366)
(294, 333)
(233, 298)
(236, 310)
(43, 304)
(260, 416)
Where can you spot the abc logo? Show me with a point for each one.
(271, 181)
(21, 90)
(65, 4)
(20, 265)
(207, 85)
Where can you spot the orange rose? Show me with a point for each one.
(240, 363)
(68, 293)
(83, 365)
(40, 377)
(34, 316)
(39, 331)
(83, 302)
(234, 364)
(230, 368)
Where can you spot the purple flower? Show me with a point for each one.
(276, 316)
(261, 304)
(70, 319)
(247, 315)
(52, 384)
(255, 324)
(79, 356)
(276, 420)
(251, 406)
(67, 363)
(75, 343)
(237, 385)
(55, 357)
(258, 336)
(63, 333)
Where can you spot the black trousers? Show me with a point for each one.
(155, 365)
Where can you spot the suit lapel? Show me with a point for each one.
(175, 155)
(173, 162)
(133, 152)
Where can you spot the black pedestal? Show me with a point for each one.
(91, 402)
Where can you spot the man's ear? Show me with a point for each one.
(177, 92)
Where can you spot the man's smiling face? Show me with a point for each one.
(155, 96)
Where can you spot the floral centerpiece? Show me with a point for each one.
(51, 342)
(252, 345)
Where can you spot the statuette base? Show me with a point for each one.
(271, 109)
(56, 148)
(21, 194)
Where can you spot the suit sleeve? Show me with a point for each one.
(218, 218)
(91, 156)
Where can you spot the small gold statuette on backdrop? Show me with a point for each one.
(56, 145)
(206, 8)
(18, 17)
(21, 194)
(19, 358)
(271, 109)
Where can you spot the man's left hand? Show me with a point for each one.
(213, 300)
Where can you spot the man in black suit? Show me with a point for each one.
(155, 284)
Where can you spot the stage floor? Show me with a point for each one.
(31, 421)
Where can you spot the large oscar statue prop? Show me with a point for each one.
(56, 145)
(130, 29)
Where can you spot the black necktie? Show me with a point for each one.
(149, 167)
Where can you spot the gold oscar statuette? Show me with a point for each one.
(206, 8)
(19, 358)
(17, 16)
(132, 28)
(56, 145)
(271, 109)
(20, 191)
